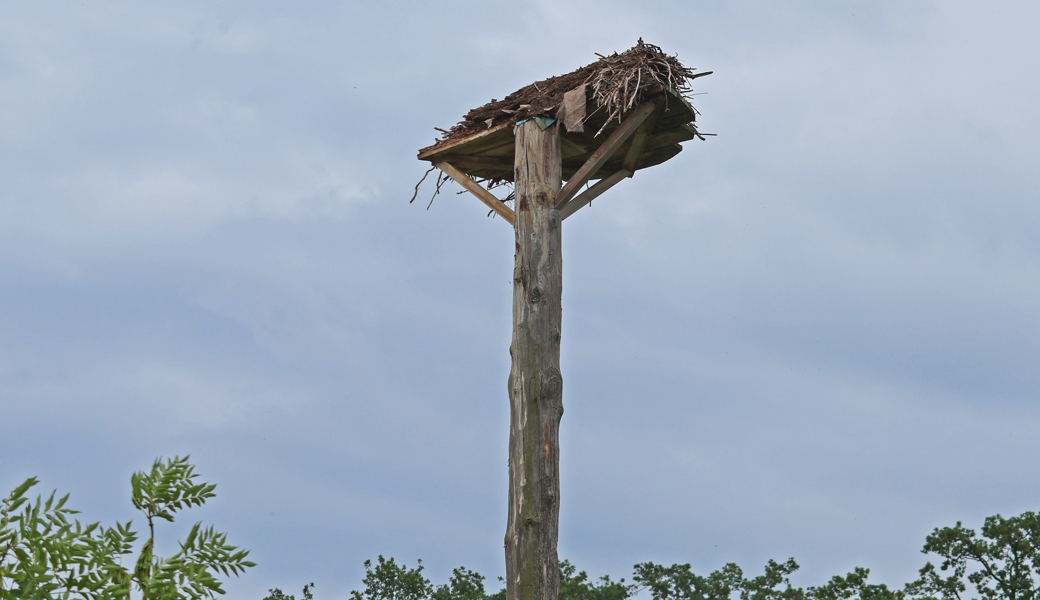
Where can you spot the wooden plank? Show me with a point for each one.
(504, 149)
(656, 141)
(649, 158)
(477, 190)
(639, 140)
(592, 193)
(676, 110)
(683, 133)
(492, 138)
(500, 166)
(480, 172)
(669, 121)
(571, 148)
(658, 156)
(477, 159)
(603, 154)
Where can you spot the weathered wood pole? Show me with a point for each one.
(535, 382)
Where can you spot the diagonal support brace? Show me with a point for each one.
(593, 192)
(639, 140)
(477, 190)
(604, 152)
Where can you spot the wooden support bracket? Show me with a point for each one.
(639, 140)
(603, 154)
(477, 190)
(592, 193)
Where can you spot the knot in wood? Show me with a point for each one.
(552, 384)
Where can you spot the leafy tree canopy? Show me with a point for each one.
(45, 553)
(277, 594)
(1002, 562)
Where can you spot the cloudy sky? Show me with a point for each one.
(815, 335)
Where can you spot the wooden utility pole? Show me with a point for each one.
(535, 383)
(534, 138)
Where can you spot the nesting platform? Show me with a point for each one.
(489, 154)
(622, 113)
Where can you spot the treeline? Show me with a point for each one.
(47, 554)
(1000, 562)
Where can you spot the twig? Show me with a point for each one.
(441, 180)
(420, 183)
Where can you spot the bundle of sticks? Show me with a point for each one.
(617, 83)
(621, 80)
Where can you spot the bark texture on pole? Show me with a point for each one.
(535, 382)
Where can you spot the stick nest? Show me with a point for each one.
(617, 83)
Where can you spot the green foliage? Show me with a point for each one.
(678, 582)
(390, 581)
(575, 585)
(45, 554)
(168, 488)
(1004, 563)
(277, 594)
(854, 585)
(773, 584)
(463, 585)
(1001, 564)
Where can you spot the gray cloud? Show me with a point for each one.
(813, 335)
